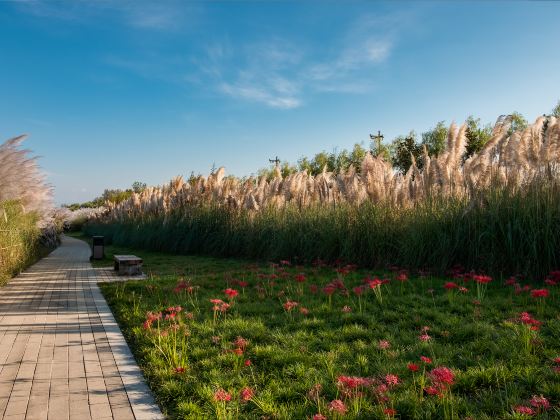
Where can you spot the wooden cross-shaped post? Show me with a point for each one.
(378, 139)
(275, 161)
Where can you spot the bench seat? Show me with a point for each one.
(128, 265)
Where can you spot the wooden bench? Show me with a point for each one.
(128, 265)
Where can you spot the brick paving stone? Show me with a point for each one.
(62, 354)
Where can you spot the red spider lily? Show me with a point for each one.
(289, 305)
(403, 276)
(391, 380)
(219, 305)
(442, 375)
(179, 370)
(247, 363)
(241, 343)
(303, 311)
(238, 351)
(189, 315)
(384, 344)
(313, 288)
(329, 289)
(413, 367)
(424, 337)
(358, 290)
(221, 395)
(337, 406)
(450, 285)
(556, 360)
(510, 282)
(346, 309)
(432, 390)
(539, 293)
(169, 316)
(522, 409)
(391, 412)
(482, 279)
(353, 382)
(285, 262)
(426, 360)
(242, 284)
(231, 293)
(527, 319)
(463, 289)
(319, 417)
(374, 283)
(550, 282)
(246, 394)
(539, 402)
(300, 278)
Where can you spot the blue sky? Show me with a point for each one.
(116, 91)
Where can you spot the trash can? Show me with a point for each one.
(98, 248)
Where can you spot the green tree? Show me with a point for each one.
(518, 122)
(435, 139)
(138, 186)
(403, 148)
(477, 136)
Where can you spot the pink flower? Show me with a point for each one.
(413, 367)
(463, 289)
(374, 283)
(482, 279)
(442, 375)
(540, 402)
(522, 409)
(246, 394)
(337, 406)
(426, 360)
(179, 369)
(231, 293)
(402, 277)
(221, 395)
(432, 390)
(247, 363)
(289, 305)
(352, 382)
(450, 285)
(391, 379)
(391, 412)
(424, 337)
(304, 311)
(384, 344)
(300, 278)
(358, 290)
(539, 293)
(346, 309)
(319, 417)
(241, 343)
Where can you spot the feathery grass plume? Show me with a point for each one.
(448, 199)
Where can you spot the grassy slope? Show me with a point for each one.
(292, 352)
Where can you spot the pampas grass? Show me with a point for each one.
(486, 212)
(25, 209)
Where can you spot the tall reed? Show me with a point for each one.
(499, 210)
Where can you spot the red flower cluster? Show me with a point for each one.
(289, 305)
(413, 367)
(450, 285)
(246, 394)
(337, 406)
(182, 285)
(150, 319)
(479, 278)
(539, 293)
(527, 319)
(441, 379)
(221, 395)
(300, 278)
(231, 293)
(391, 380)
(219, 305)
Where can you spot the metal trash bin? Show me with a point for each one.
(98, 248)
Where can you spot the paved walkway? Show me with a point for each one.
(62, 355)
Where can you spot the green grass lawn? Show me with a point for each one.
(340, 352)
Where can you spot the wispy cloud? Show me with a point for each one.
(142, 14)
